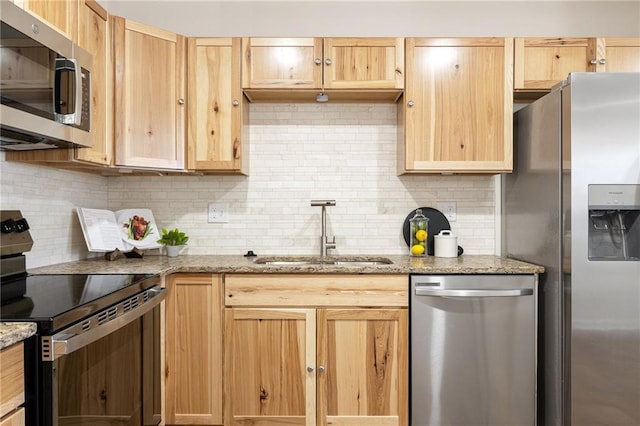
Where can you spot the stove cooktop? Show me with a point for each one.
(56, 301)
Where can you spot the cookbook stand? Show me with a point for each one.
(136, 253)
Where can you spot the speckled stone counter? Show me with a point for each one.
(14, 332)
(151, 264)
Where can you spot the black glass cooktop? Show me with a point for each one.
(56, 301)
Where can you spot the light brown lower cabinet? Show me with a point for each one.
(193, 350)
(12, 385)
(315, 365)
(14, 419)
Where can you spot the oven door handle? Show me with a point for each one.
(69, 340)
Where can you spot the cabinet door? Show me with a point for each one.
(194, 349)
(541, 63)
(363, 353)
(218, 112)
(458, 106)
(14, 419)
(364, 63)
(94, 36)
(149, 96)
(276, 63)
(61, 14)
(267, 356)
(12, 375)
(618, 54)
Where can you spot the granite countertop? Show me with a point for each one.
(14, 332)
(154, 264)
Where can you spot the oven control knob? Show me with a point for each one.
(8, 226)
(22, 225)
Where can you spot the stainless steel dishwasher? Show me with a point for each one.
(473, 350)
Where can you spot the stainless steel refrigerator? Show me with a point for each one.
(572, 204)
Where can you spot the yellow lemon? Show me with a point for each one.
(421, 235)
(417, 249)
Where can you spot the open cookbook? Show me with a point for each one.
(105, 230)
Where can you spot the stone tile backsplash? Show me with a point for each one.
(299, 152)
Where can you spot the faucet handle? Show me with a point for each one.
(331, 244)
(323, 203)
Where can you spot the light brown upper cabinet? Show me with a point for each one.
(149, 96)
(347, 69)
(618, 54)
(282, 63)
(541, 63)
(217, 124)
(61, 14)
(457, 109)
(93, 36)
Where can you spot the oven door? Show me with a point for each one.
(106, 379)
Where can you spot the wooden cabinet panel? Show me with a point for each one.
(367, 69)
(315, 290)
(149, 96)
(94, 386)
(95, 36)
(12, 378)
(620, 54)
(14, 419)
(541, 63)
(276, 63)
(364, 356)
(458, 106)
(314, 366)
(217, 131)
(367, 63)
(61, 14)
(268, 353)
(194, 349)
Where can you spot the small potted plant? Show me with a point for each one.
(173, 240)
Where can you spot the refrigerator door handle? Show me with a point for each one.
(474, 293)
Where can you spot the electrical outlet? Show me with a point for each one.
(448, 208)
(218, 213)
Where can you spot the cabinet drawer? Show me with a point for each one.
(14, 419)
(370, 290)
(12, 379)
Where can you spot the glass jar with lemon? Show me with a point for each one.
(419, 231)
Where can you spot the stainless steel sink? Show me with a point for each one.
(328, 260)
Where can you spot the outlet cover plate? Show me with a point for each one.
(218, 213)
(448, 208)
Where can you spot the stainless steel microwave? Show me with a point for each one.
(45, 85)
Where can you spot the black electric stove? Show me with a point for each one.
(55, 302)
(95, 357)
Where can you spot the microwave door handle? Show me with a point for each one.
(77, 112)
(66, 342)
(474, 293)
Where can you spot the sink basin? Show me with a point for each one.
(317, 260)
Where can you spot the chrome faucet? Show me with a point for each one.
(325, 244)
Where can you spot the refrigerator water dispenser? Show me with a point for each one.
(614, 227)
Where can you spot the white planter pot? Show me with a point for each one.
(173, 251)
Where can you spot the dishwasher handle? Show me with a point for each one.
(474, 293)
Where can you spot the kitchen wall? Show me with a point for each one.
(47, 198)
(301, 152)
(385, 18)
